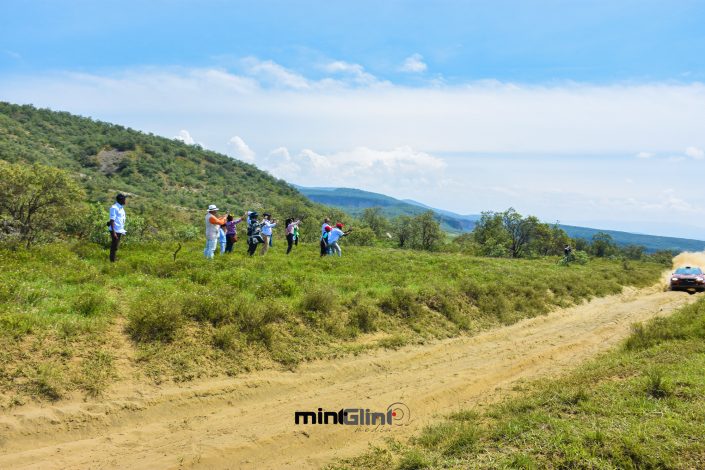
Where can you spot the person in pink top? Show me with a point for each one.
(291, 225)
(231, 232)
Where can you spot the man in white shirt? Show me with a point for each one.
(326, 223)
(267, 225)
(117, 224)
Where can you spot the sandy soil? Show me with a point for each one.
(248, 421)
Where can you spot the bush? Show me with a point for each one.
(154, 319)
(227, 338)
(37, 198)
(91, 303)
(363, 236)
(401, 302)
(205, 307)
(657, 386)
(363, 316)
(318, 300)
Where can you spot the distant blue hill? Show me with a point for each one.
(355, 201)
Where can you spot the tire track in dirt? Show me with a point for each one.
(247, 421)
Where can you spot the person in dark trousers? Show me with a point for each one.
(117, 224)
(324, 240)
(231, 231)
(254, 233)
(291, 226)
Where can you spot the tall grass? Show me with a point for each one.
(192, 316)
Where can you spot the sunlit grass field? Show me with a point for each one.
(70, 322)
(641, 406)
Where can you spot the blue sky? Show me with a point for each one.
(588, 112)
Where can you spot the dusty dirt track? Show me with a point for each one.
(248, 421)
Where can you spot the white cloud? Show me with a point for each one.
(241, 150)
(276, 74)
(695, 153)
(402, 167)
(298, 113)
(414, 64)
(418, 129)
(356, 71)
(185, 137)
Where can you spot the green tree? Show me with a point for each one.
(603, 245)
(491, 235)
(37, 198)
(520, 230)
(549, 240)
(635, 252)
(403, 231)
(427, 230)
(374, 219)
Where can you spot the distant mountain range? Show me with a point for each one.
(355, 201)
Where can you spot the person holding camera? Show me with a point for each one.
(213, 224)
(267, 225)
(291, 228)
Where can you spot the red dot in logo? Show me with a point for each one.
(394, 413)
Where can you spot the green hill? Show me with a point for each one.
(354, 201)
(171, 182)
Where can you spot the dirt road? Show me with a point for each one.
(248, 421)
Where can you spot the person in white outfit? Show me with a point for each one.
(267, 225)
(213, 223)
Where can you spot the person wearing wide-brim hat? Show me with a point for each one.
(116, 224)
(213, 223)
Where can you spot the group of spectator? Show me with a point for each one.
(223, 231)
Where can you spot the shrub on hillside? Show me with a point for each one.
(318, 300)
(154, 319)
(401, 302)
(36, 199)
(363, 236)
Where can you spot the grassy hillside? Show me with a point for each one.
(70, 322)
(642, 406)
(354, 201)
(172, 182)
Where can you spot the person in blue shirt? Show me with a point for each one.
(117, 224)
(333, 237)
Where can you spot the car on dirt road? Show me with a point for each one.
(688, 278)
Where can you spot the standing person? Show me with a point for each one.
(324, 229)
(267, 225)
(231, 232)
(324, 240)
(291, 227)
(222, 238)
(335, 235)
(117, 224)
(213, 223)
(326, 223)
(254, 233)
(296, 235)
